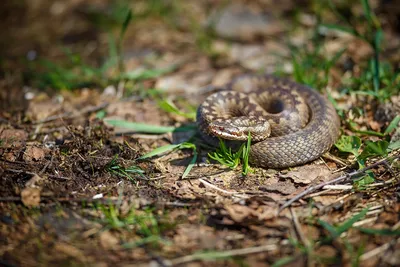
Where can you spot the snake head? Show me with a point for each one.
(238, 128)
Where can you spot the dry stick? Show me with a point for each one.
(235, 194)
(301, 235)
(222, 254)
(376, 251)
(298, 229)
(339, 179)
(71, 115)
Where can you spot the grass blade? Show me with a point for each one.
(140, 74)
(148, 128)
(387, 232)
(330, 228)
(340, 28)
(367, 11)
(349, 223)
(126, 23)
(160, 150)
(190, 166)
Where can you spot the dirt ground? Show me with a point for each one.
(75, 189)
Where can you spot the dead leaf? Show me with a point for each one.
(108, 240)
(284, 187)
(266, 212)
(326, 200)
(307, 174)
(376, 126)
(33, 153)
(238, 212)
(30, 197)
(326, 251)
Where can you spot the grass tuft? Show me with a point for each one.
(146, 226)
(227, 157)
(129, 173)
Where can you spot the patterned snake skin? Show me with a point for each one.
(302, 124)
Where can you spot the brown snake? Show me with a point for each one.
(302, 124)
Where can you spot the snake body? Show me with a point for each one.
(302, 124)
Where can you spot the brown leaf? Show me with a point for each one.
(30, 197)
(108, 241)
(284, 187)
(238, 212)
(326, 200)
(33, 153)
(307, 174)
(265, 212)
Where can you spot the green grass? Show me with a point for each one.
(226, 156)
(170, 107)
(335, 233)
(157, 129)
(74, 73)
(173, 147)
(377, 78)
(131, 173)
(363, 151)
(146, 226)
(310, 65)
(148, 128)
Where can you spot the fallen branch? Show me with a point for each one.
(336, 180)
(219, 255)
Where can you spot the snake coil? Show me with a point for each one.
(290, 124)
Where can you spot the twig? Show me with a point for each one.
(222, 254)
(69, 115)
(374, 252)
(236, 194)
(339, 179)
(341, 187)
(335, 159)
(298, 229)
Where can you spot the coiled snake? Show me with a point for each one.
(302, 124)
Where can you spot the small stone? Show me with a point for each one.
(240, 22)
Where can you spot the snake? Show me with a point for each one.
(290, 124)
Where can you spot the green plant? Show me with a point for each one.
(336, 231)
(227, 157)
(170, 107)
(311, 66)
(169, 148)
(75, 73)
(148, 128)
(129, 173)
(378, 79)
(361, 152)
(156, 129)
(143, 223)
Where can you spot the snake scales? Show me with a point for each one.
(301, 123)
